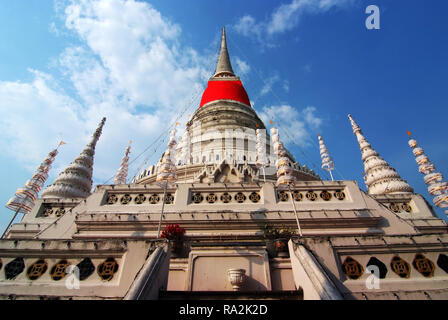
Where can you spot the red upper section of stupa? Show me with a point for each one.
(225, 89)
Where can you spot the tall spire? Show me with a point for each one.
(380, 177)
(23, 200)
(76, 180)
(327, 161)
(122, 173)
(436, 186)
(285, 175)
(224, 67)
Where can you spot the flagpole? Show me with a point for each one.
(10, 223)
(295, 211)
(163, 206)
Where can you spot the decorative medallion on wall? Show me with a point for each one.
(240, 197)
(340, 195)
(48, 212)
(86, 268)
(254, 197)
(211, 198)
(169, 198)
(423, 265)
(197, 197)
(311, 195)
(107, 269)
(112, 199)
(125, 199)
(352, 268)
(14, 268)
(140, 199)
(400, 267)
(298, 196)
(325, 195)
(380, 265)
(283, 196)
(57, 272)
(226, 198)
(37, 269)
(406, 207)
(154, 198)
(395, 207)
(59, 212)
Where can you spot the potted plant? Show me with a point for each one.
(277, 239)
(175, 235)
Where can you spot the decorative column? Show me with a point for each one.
(380, 177)
(167, 172)
(285, 172)
(122, 173)
(436, 186)
(327, 161)
(23, 200)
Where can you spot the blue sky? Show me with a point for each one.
(66, 64)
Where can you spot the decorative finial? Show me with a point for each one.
(327, 161)
(436, 186)
(380, 177)
(122, 173)
(23, 200)
(76, 180)
(224, 67)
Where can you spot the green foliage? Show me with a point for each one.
(270, 232)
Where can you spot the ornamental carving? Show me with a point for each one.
(48, 212)
(311, 195)
(57, 272)
(226, 198)
(254, 197)
(423, 265)
(140, 199)
(107, 269)
(125, 199)
(211, 198)
(340, 195)
(154, 198)
(240, 197)
(325, 195)
(112, 199)
(197, 197)
(59, 212)
(14, 268)
(395, 207)
(297, 196)
(400, 267)
(37, 269)
(352, 268)
(283, 196)
(169, 198)
(406, 207)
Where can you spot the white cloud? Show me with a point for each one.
(268, 84)
(294, 125)
(129, 67)
(284, 18)
(242, 67)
